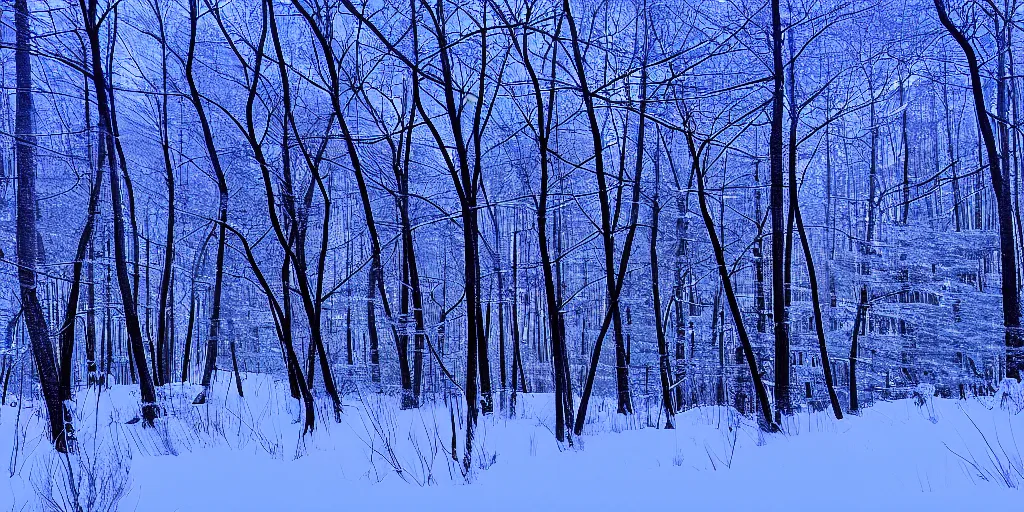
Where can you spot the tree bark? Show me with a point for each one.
(27, 235)
(781, 328)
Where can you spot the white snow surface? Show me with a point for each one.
(247, 454)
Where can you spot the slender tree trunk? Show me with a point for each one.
(794, 208)
(781, 329)
(472, 184)
(67, 332)
(213, 337)
(905, 216)
(1002, 111)
(517, 357)
(730, 294)
(310, 302)
(410, 249)
(869, 237)
(284, 334)
(163, 341)
(560, 357)
(858, 322)
(190, 329)
(826, 363)
(613, 285)
(376, 270)
(760, 300)
(664, 363)
(131, 317)
(371, 324)
(683, 268)
(92, 376)
(957, 209)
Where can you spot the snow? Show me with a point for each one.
(246, 454)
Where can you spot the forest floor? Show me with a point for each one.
(247, 454)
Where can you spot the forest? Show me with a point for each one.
(510, 254)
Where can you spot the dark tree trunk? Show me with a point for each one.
(28, 234)
(471, 184)
(1010, 294)
(758, 251)
(163, 339)
(826, 363)
(869, 237)
(131, 317)
(371, 324)
(683, 268)
(284, 334)
(723, 272)
(613, 285)
(1002, 111)
(517, 358)
(92, 376)
(410, 251)
(560, 358)
(310, 303)
(376, 269)
(781, 329)
(67, 332)
(957, 209)
(284, 323)
(213, 337)
(664, 363)
(858, 323)
(190, 329)
(794, 208)
(905, 215)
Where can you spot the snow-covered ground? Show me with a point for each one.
(246, 454)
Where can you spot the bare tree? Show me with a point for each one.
(1004, 208)
(29, 241)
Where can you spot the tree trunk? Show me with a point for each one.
(190, 329)
(794, 208)
(869, 237)
(67, 331)
(723, 272)
(905, 216)
(376, 269)
(664, 363)
(781, 329)
(28, 239)
(613, 285)
(858, 322)
(131, 317)
(1010, 294)
(826, 363)
(213, 336)
(163, 340)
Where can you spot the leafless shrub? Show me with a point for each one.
(1001, 462)
(380, 421)
(95, 478)
(730, 435)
